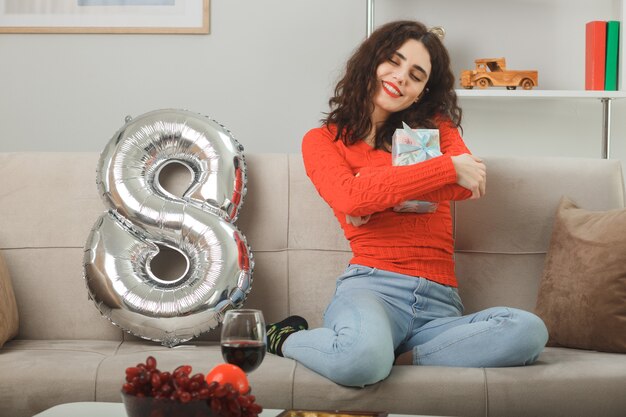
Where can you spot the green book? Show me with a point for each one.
(612, 51)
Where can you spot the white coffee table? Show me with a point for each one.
(99, 409)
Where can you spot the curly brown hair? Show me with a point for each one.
(352, 103)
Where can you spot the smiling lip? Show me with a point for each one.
(391, 89)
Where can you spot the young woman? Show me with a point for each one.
(397, 301)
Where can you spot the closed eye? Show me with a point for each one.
(398, 56)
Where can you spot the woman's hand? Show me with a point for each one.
(471, 173)
(357, 220)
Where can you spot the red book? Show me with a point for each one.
(595, 53)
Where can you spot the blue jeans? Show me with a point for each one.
(376, 315)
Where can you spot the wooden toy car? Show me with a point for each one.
(492, 72)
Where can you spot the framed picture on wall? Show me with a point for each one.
(104, 16)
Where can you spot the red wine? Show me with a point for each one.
(246, 354)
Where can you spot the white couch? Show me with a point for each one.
(66, 351)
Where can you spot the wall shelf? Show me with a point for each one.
(583, 94)
(605, 97)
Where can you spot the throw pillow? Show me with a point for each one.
(8, 307)
(582, 296)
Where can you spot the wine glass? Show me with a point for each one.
(243, 338)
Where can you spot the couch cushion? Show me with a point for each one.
(263, 217)
(9, 319)
(488, 279)
(312, 279)
(46, 213)
(516, 214)
(563, 382)
(38, 374)
(583, 291)
(429, 390)
(502, 238)
(52, 296)
(51, 200)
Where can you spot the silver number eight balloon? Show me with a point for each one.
(144, 216)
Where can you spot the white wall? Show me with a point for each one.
(265, 72)
(268, 67)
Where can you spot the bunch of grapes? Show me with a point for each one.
(146, 380)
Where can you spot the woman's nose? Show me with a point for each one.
(398, 77)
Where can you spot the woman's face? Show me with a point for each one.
(401, 79)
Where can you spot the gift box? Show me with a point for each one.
(412, 146)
